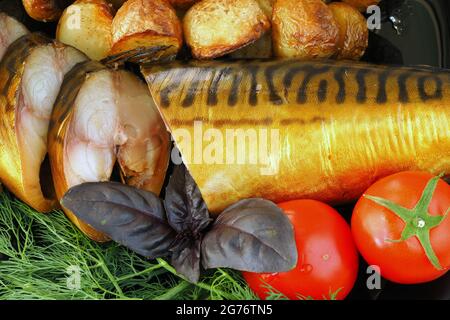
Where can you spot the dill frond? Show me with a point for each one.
(39, 253)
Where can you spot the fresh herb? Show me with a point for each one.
(274, 294)
(39, 253)
(130, 216)
(188, 215)
(251, 235)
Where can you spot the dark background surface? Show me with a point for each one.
(421, 37)
(413, 32)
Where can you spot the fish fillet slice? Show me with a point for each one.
(39, 66)
(103, 117)
(89, 152)
(10, 30)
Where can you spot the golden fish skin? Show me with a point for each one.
(30, 74)
(340, 126)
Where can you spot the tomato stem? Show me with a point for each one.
(418, 222)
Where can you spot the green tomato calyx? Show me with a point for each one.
(418, 222)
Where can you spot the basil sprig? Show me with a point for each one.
(251, 235)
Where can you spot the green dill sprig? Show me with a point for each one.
(38, 251)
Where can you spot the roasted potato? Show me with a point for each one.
(361, 5)
(86, 25)
(353, 32)
(45, 10)
(214, 28)
(304, 29)
(142, 26)
(261, 48)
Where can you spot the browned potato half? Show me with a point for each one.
(261, 48)
(353, 32)
(214, 28)
(361, 5)
(45, 10)
(86, 25)
(305, 29)
(141, 26)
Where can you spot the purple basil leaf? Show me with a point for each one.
(185, 208)
(187, 261)
(251, 235)
(132, 217)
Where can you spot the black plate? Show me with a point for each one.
(413, 32)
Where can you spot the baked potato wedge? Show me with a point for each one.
(353, 32)
(304, 29)
(86, 25)
(261, 48)
(45, 10)
(213, 28)
(142, 26)
(361, 5)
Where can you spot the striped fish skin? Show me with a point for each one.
(341, 125)
(102, 117)
(31, 73)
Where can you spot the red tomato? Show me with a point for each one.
(374, 226)
(327, 264)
